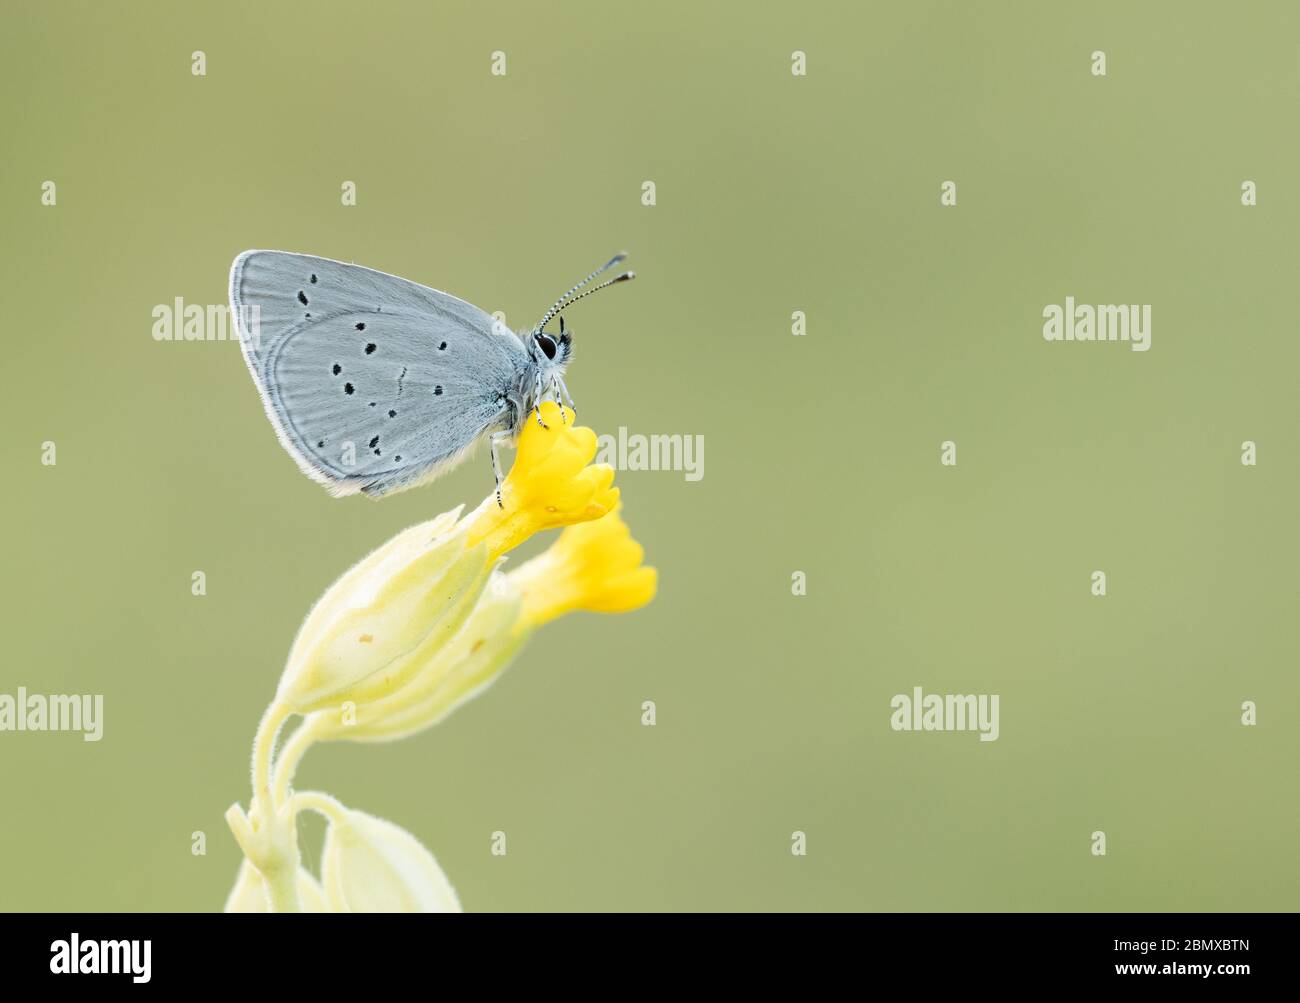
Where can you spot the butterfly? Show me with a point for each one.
(376, 384)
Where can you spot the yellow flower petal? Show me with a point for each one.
(550, 484)
(592, 566)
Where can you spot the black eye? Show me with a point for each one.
(548, 346)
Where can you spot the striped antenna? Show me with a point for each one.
(595, 289)
(564, 300)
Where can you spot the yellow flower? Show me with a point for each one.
(549, 485)
(593, 566)
(409, 634)
(387, 616)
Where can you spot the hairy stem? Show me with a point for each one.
(282, 886)
(263, 746)
(294, 749)
(319, 802)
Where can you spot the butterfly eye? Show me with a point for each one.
(547, 345)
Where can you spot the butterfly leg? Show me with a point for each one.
(537, 402)
(495, 441)
(567, 399)
(555, 396)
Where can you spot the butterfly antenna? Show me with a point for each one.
(564, 300)
(595, 289)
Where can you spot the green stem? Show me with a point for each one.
(321, 803)
(282, 885)
(263, 746)
(294, 749)
(271, 833)
(271, 846)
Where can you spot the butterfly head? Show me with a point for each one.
(552, 351)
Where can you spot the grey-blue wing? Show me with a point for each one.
(373, 383)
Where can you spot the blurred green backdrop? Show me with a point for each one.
(775, 193)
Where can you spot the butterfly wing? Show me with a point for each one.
(373, 383)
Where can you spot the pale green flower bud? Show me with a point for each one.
(249, 893)
(416, 589)
(372, 865)
(443, 678)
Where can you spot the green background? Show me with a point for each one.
(775, 194)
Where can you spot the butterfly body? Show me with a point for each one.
(375, 384)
